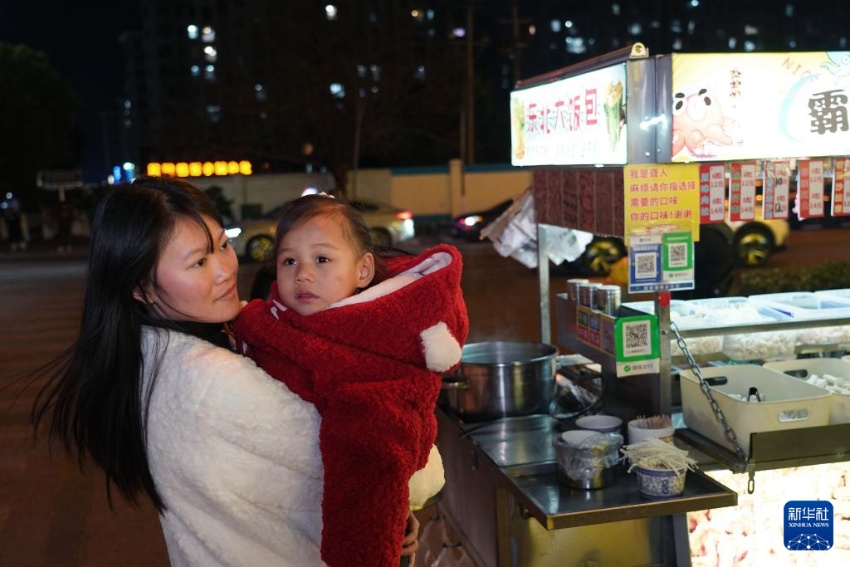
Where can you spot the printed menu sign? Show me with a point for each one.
(775, 194)
(712, 193)
(840, 193)
(742, 192)
(810, 188)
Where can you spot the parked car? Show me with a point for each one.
(469, 226)
(253, 239)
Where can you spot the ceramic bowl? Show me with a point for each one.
(660, 483)
(600, 423)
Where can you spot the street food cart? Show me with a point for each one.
(647, 148)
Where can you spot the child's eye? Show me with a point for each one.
(201, 263)
(322, 260)
(288, 262)
(225, 245)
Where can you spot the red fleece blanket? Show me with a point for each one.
(373, 368)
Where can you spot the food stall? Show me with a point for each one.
(647, 148)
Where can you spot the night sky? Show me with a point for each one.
(81, 42)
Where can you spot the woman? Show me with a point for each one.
(152, 393)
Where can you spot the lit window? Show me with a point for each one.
(214, 112)
(750, 30)
(210, 53)
(655, 24)
(209, 72)
(208, 34)
(330, 12)
(576, 45)
(376, 72)
(532, 29)
(842, 42)
(259, 92)
(420, 73)
(429, 14)
(615, 9)
(361, 71)
(792, 43)
(749, 45)
(128, 104)
(694, 3)
(732, 42)
(568, 24)
(555, 26)
(417, 15)
(459, 32)
(195, 70)
(192, 31)
(692, 26)
(676, 26)
(375, 89)
(337, 90)
(635, 28)
(677, 44)
(789, 10)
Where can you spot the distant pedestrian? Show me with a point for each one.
(64, 221)
(14, 226)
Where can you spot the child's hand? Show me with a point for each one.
(410, 543)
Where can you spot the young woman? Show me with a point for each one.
(152, 393)
(366, 339)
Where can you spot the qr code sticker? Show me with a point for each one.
(646, 266)
(636, 335)
(677, 255)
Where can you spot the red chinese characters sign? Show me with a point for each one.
(776, 187)
(742, 192)
(810, 188)
(712, 193)
(840, 194)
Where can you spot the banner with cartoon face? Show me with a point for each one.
(742, 106)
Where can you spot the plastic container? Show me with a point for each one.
(765, 345)
(660, 483)
(807, 368)
(788, 403)
(805, 305)
(586, 459)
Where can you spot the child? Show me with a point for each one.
(367, 344)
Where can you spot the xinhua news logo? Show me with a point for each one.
(808, 525)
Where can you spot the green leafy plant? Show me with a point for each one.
(827, 275)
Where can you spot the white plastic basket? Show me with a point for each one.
(805, 368)
(805, 304)
(789, 403)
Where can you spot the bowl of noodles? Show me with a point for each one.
(660, 467)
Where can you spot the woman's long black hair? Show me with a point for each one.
(94, 399)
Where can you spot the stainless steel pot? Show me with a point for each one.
(501, 379)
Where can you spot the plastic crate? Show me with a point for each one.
(804, 368)
(789, 403)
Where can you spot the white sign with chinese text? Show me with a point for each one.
(573, 121)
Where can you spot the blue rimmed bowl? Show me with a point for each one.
(660, 483)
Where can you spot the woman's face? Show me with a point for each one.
(318, 266)
(194, 284)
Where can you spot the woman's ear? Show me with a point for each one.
(367, 271)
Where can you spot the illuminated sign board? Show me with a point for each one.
(199, 169)
(573, 121)
(760, 105)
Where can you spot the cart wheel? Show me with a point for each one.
(260, 248)
(753, 245)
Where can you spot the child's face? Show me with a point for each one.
(318, 266)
